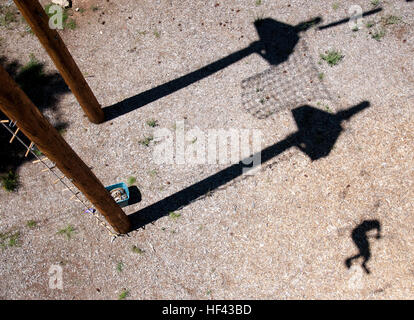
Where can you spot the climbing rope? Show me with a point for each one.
(8, 125)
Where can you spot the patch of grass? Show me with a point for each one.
(131, 180)
(33, 65)
(174, 215)
(10, 182)
(335, 6)
(68, 231)
(146, 141)
(37, 152)
(7, 15)
(120, 266)
(124, 294)
(137, 250)
(378, 35)
(355, 29)
(9, 239)
(152, 123)
(258, 2)
(157, 34)
(31, 224)
(71, 24)
(332, 57)
(390, 20)
(375, 2)
(321, 75)
(370, 24)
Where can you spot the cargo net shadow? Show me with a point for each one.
(285, 86)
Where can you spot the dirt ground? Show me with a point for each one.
(284, 232)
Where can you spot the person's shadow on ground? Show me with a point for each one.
(360, 238)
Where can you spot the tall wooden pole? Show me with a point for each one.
(18, 107)
(38, 20)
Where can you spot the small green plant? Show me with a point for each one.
(9, 239)
(152, 123)
(321, 75)
(71, 24)
(153, 173)
(146, 141)
(137, 250)
(332, 57)
(32, 66)
(375, 2)
(335, 6)
(378, 35)
(31, 224)
(10, 182)
(131, 180)
(174, 215)
(124, 294)
(14, 239)
(68, 231)
(94, 8)
(370, 24)
(157, 34)
(120, 266)
(258, 2)
(355, 29)
(7, 16)
(389, 20)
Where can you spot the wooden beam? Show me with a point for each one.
(38, 20)
(17, 106)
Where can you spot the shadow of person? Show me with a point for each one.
(316, 135)
(277, 41)
(360, 237)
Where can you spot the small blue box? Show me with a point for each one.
(122, 185)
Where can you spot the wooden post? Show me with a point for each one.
(18, 107)
(38, 20)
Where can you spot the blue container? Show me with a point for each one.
(122, 185)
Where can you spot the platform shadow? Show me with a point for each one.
(317, 133)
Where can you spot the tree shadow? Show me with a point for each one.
(316, 135)
(44, 90)
(360, 238)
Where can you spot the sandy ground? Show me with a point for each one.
(283, 233)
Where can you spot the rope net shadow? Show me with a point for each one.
(285, 86)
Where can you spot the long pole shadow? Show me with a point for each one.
(316, 135)
(345, 20)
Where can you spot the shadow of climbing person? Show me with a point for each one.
(360, 237)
